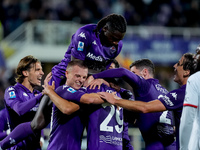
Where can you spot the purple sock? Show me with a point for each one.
(18, 134)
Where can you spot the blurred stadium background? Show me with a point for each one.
(161, 30)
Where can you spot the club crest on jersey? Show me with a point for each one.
(112, 48)
(71, 90)
(12, 94)
(80, 46)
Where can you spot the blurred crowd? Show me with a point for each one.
(7, 78)
(176, 13)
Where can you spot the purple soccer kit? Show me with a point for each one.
(67, 130)
(70, 128)
(156, 128)
(3, 123)
(22, 105)
(105, 125)
(174, 101)
(126, 94)
(86, 45)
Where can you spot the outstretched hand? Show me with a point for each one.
(97, 82)
(109, 97)
(93, 83)
(88, 81)
(48, 88)
(48, 78)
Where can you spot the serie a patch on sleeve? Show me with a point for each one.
(12, 94)
(71, 90)
(80, 46)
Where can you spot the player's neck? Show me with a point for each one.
(28, 85)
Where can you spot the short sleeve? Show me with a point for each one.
(173, 100)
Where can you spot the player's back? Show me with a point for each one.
(105, 125)
(156, 126)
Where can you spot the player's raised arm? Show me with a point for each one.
(63, 105)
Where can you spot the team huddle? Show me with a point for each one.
(82, 92)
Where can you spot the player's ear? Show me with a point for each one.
(145, 72)
(105, 28)
(25, 73)
(66, 73)
(186, 73)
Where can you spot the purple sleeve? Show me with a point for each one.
(69, 93)
(2, 135)
(79, 44)
(18, 105)
(173, 99)
(3, 124)
(3, 120)
(126, 140)
(125, 74)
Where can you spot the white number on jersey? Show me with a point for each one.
(104, 125)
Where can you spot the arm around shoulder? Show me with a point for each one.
(65, 106)
(91, 98)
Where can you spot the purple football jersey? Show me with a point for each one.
(105, 125)
(157, 126)
(22, 105)
(154, 127)
(66, 132)
(126, 94)
(3, 123)
(3, 120)
(86, 45)
(174, 101)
